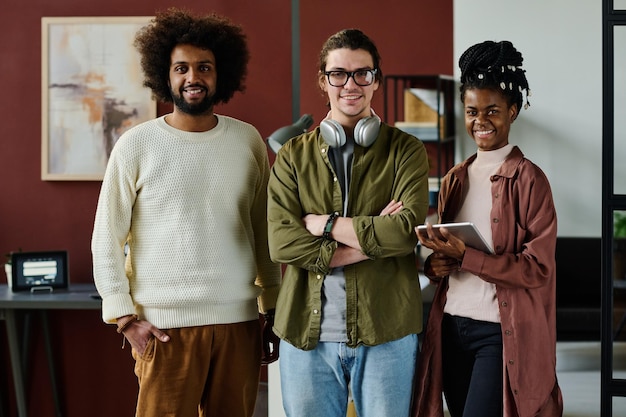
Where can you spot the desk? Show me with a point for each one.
(76, 297)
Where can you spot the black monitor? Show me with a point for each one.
(31, 271)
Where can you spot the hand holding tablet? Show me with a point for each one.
(466, 231)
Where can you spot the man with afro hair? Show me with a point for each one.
(179, 244)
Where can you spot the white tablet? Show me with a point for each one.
(467, 232)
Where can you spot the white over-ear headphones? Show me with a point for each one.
(365, 131)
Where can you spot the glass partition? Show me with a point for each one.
(619, 294)
(613, 306)
(619, 403)
(619, 156)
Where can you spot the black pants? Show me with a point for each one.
(472, 367)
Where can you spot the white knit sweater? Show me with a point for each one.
(192, 207)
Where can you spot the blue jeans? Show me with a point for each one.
(472, 367)
(316, 383)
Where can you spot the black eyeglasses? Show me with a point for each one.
(363, 77)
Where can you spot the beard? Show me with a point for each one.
(194, 109)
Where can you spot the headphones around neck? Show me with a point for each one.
(365, 132)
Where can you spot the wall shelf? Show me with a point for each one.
(423, 105)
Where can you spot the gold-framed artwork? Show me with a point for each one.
(91, 92)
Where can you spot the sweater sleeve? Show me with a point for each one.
(268, 273)
(110, 234)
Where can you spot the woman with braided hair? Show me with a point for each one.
(490, 342)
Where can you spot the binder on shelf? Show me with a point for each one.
(420, 105)
(422, 110)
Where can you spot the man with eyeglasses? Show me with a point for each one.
(342, 203)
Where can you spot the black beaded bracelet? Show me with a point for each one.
(329, 225)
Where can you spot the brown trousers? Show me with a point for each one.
(202, 371)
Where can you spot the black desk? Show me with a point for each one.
(77, 297)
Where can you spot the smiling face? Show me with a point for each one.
(488, 118)
(193, 78)
(350, 103)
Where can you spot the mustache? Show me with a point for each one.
(192, 87)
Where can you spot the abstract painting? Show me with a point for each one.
(92, 92)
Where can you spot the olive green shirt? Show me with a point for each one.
(383, 297)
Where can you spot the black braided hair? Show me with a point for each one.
(497, 66)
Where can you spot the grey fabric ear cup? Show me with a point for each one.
(365, 132)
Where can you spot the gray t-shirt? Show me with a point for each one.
(333, 326)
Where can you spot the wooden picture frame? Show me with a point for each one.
(91, 92)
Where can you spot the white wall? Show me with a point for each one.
(561, 42)
(274, 396)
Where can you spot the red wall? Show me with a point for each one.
(96, 378)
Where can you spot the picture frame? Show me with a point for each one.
(91, 92)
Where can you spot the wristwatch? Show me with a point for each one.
(329, 225)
